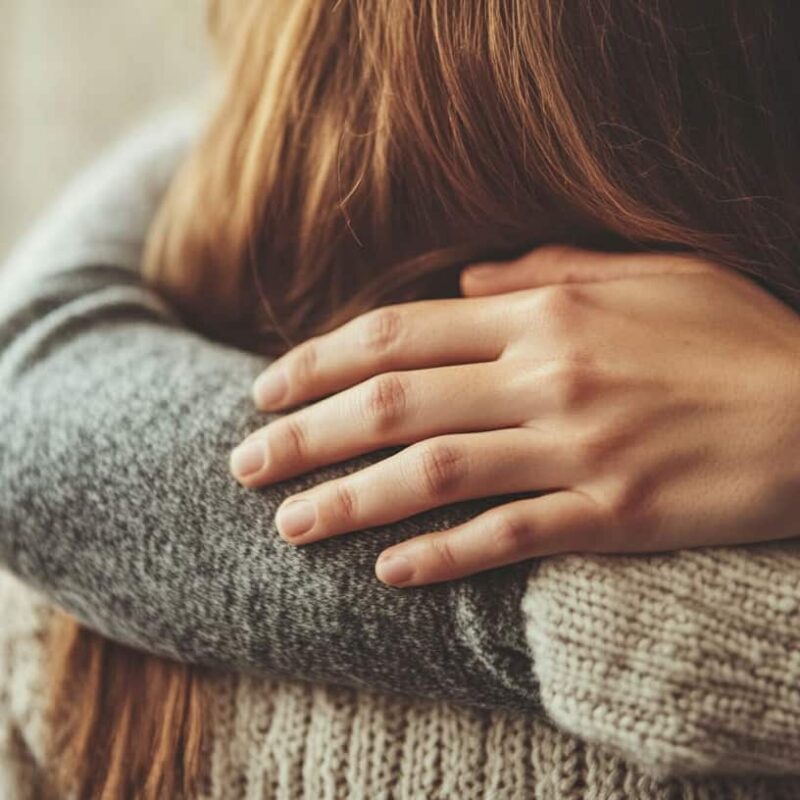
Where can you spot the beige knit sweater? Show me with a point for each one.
(671, 676)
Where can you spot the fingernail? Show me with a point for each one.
(270, 388)
(296, 518)
(394, 570)
(248, 458)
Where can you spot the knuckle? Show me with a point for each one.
(560, 304)
(294, 436)
(606, 442)
(344, 502)
(304, 366)
(512, 535)
(385, 403)
(554, 254)
(571, 383)
(441, 469)
(595, 449)
(627, 510)
(380, 330)
(443, 554)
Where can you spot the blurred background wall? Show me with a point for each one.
(76, 74)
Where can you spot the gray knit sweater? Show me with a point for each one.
(115, 501)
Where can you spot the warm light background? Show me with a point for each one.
(76, 74)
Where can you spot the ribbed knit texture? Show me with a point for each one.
(687, 662)
(282, 740)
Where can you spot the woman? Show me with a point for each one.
(401, 143)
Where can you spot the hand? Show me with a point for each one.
(653, 406)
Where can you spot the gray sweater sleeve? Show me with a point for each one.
(115, 498)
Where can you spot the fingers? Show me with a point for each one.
(556, 264)
(428, 475)
(394, 408)
(411, 336)
(560, 522)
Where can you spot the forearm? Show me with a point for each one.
(116, 501)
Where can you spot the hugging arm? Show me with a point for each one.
(116, 500)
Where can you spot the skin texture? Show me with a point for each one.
(637, 403)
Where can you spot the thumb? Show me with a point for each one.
(555, 264)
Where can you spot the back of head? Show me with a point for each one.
(363, 150)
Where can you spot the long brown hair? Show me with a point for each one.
(364, 150)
